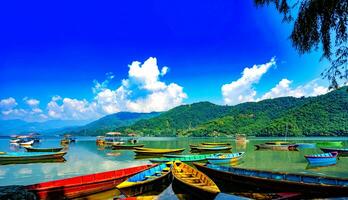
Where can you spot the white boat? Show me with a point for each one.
(14, 140)
(27, 143)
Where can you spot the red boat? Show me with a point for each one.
(84, 185)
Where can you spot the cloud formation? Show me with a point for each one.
(283, 89)
(242, 90)
(141, 91)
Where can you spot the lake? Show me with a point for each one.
(85, 157)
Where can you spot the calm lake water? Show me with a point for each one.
(85, 157)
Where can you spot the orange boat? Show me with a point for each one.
(84, 185)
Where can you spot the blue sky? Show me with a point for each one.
(52, 53)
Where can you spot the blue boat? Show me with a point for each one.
(225, 158)
(322, 159)
(148, 180)
(306, 145)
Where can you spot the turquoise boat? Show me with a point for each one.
(27, 156)
(225, 158)
(148, 180)
(306, 145)
(187, 158)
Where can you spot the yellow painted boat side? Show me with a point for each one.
(193, 178)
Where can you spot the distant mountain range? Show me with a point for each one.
(325, 115)
(8, 127)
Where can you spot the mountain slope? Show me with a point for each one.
(322, 115)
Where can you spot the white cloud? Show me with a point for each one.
(242, 90)
(283, 88)
(142, 91)
(31, 102)
(71, 109)
(9, 103)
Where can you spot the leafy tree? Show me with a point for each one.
(319, 22)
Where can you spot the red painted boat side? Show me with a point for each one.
(84, 185)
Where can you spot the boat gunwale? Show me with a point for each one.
(87, 175)
(334, 154)
(240, 154)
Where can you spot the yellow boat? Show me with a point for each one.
(151, 151)
(216, 143)
(193, 181)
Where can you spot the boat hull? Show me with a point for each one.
(130, 188)
(235, 157)
(83, 185)
(127, 146)
(306, 145)
(330, 144)
(322, 159)
(29, 149)
(233, 182)
(192, 188)
(341, 152)
(31, 156)
(290, 147)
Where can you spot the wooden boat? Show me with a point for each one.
(233, 177)
(148, 180)
(278, 146)
(193, 181)
(306, 145)
(14, 140)
(214, 148)
(31, 149)
(216, 143)
(126, 146)
(83, 185)
(17, 156)
(195, 147)
(340, 151)
(330, 144)
(225, 158)
(322, 159)
(152, 151)
(191, 158)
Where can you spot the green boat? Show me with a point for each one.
(330, 144)
(187, 158)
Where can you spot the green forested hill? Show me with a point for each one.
(181, 117)
(322, 115)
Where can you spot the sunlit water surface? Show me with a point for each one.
(85, 157)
